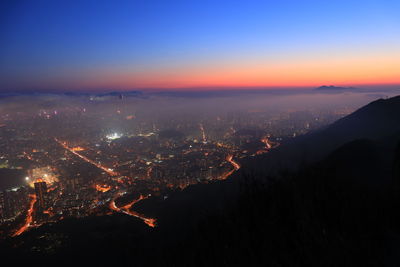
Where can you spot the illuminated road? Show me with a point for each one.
(226, 175)
(102, 188)
(266, 142)
(235, 165)
(28, 219)
(268, 145)
(107, 170)
(126, 210)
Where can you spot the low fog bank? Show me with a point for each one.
(206, 102)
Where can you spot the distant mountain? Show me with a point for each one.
(333, 88)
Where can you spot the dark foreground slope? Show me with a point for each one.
(338, 209)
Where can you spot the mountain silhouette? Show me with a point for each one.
(378, 121)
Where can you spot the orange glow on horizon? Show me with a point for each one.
(312, 70)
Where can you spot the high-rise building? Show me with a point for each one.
(40, 191)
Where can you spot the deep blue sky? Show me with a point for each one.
(64, 45)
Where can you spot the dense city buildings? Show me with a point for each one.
(89, 156)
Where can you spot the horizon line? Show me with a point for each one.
(197, 88)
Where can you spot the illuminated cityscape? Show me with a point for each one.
(73, 167)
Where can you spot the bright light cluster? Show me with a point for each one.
(113, 136)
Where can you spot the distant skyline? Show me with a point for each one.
(197, 45)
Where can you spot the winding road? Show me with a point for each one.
(29, 218)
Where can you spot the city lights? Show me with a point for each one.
(113, 136)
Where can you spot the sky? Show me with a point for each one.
(57, 45)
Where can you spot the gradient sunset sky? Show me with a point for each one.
(168, 44)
